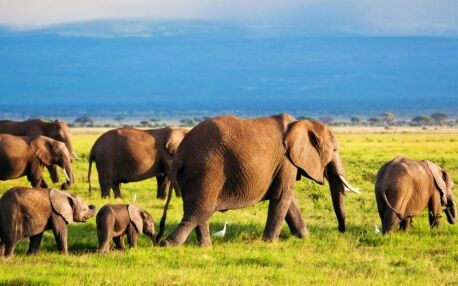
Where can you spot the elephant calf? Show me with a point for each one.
(113, 221)
(404, 188)
(26, 212)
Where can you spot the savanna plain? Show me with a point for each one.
(357, 257)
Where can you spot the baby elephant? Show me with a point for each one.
(113, 221)
(27, 212)
(404, 188)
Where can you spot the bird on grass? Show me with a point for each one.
(376, 230)
(222, 232)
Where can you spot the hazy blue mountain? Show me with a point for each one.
(209, 68)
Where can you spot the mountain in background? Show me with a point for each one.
(170, 69)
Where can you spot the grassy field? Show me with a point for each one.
(358, 257)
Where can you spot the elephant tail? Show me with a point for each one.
(164, 215)
(398, 214)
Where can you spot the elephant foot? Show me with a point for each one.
(164, 243)
(65, 186)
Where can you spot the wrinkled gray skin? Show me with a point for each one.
(129, 155)
(57, 130)
(27, 212)
(405, 188)
(115, 221)
(26, 156)
(230, 163)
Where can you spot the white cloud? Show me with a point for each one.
(368, 16)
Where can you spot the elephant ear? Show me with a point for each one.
(43, 150)
(440, 178)
(136, 218)
(173, 141)
(62, 203)
(302, 142)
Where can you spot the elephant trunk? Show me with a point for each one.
(68, 175)
(338, 199)
(450, 211)
(334, 171)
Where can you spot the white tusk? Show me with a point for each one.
(66, 176)
(76, 156)
(348, 186)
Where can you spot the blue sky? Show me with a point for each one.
(368, 17)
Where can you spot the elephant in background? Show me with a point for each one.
(26, 156)
(404, 188)
(230, 163)
(129, 155)
(57, 130)
(26, 212)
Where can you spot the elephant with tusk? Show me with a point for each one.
(230, 163)
(57, 130)
(26, 156)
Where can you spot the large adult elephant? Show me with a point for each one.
(404, 188)
(129, 155)
(57, 130)
(25, 156)
(230, 163)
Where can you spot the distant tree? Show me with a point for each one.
(154, 120)
(374, 121)
(84, 120)
(439, 117)
(145, 123)
(187, 122)
(355, 120)
(387, 117)
(326, 119)
(421, 120)
(303, 117)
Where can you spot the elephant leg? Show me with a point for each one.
(105, 187)
(390, 220)
(203, 234)
(117, 190)
(104, 242)
(59, 229)
(434, 207)
(2, 248)
(119, 242)
(180, 234)
(294, 220)
(405, 224)
(132, 236)
(53, 173)
(34, 243)
(9, 247)
(278, 208)
(162, 186)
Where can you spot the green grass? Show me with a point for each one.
(359, 257)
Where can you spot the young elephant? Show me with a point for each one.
(113, 221)
(26, 156)
(129, 155)
(404, 188)
(26, 212)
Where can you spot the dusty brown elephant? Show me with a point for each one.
(404, 188)
(230, 163)
(115, 221)
(129, 155)
(57, 130)
(28, 212)
(26, 156)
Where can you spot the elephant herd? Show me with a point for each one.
(223, 163)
